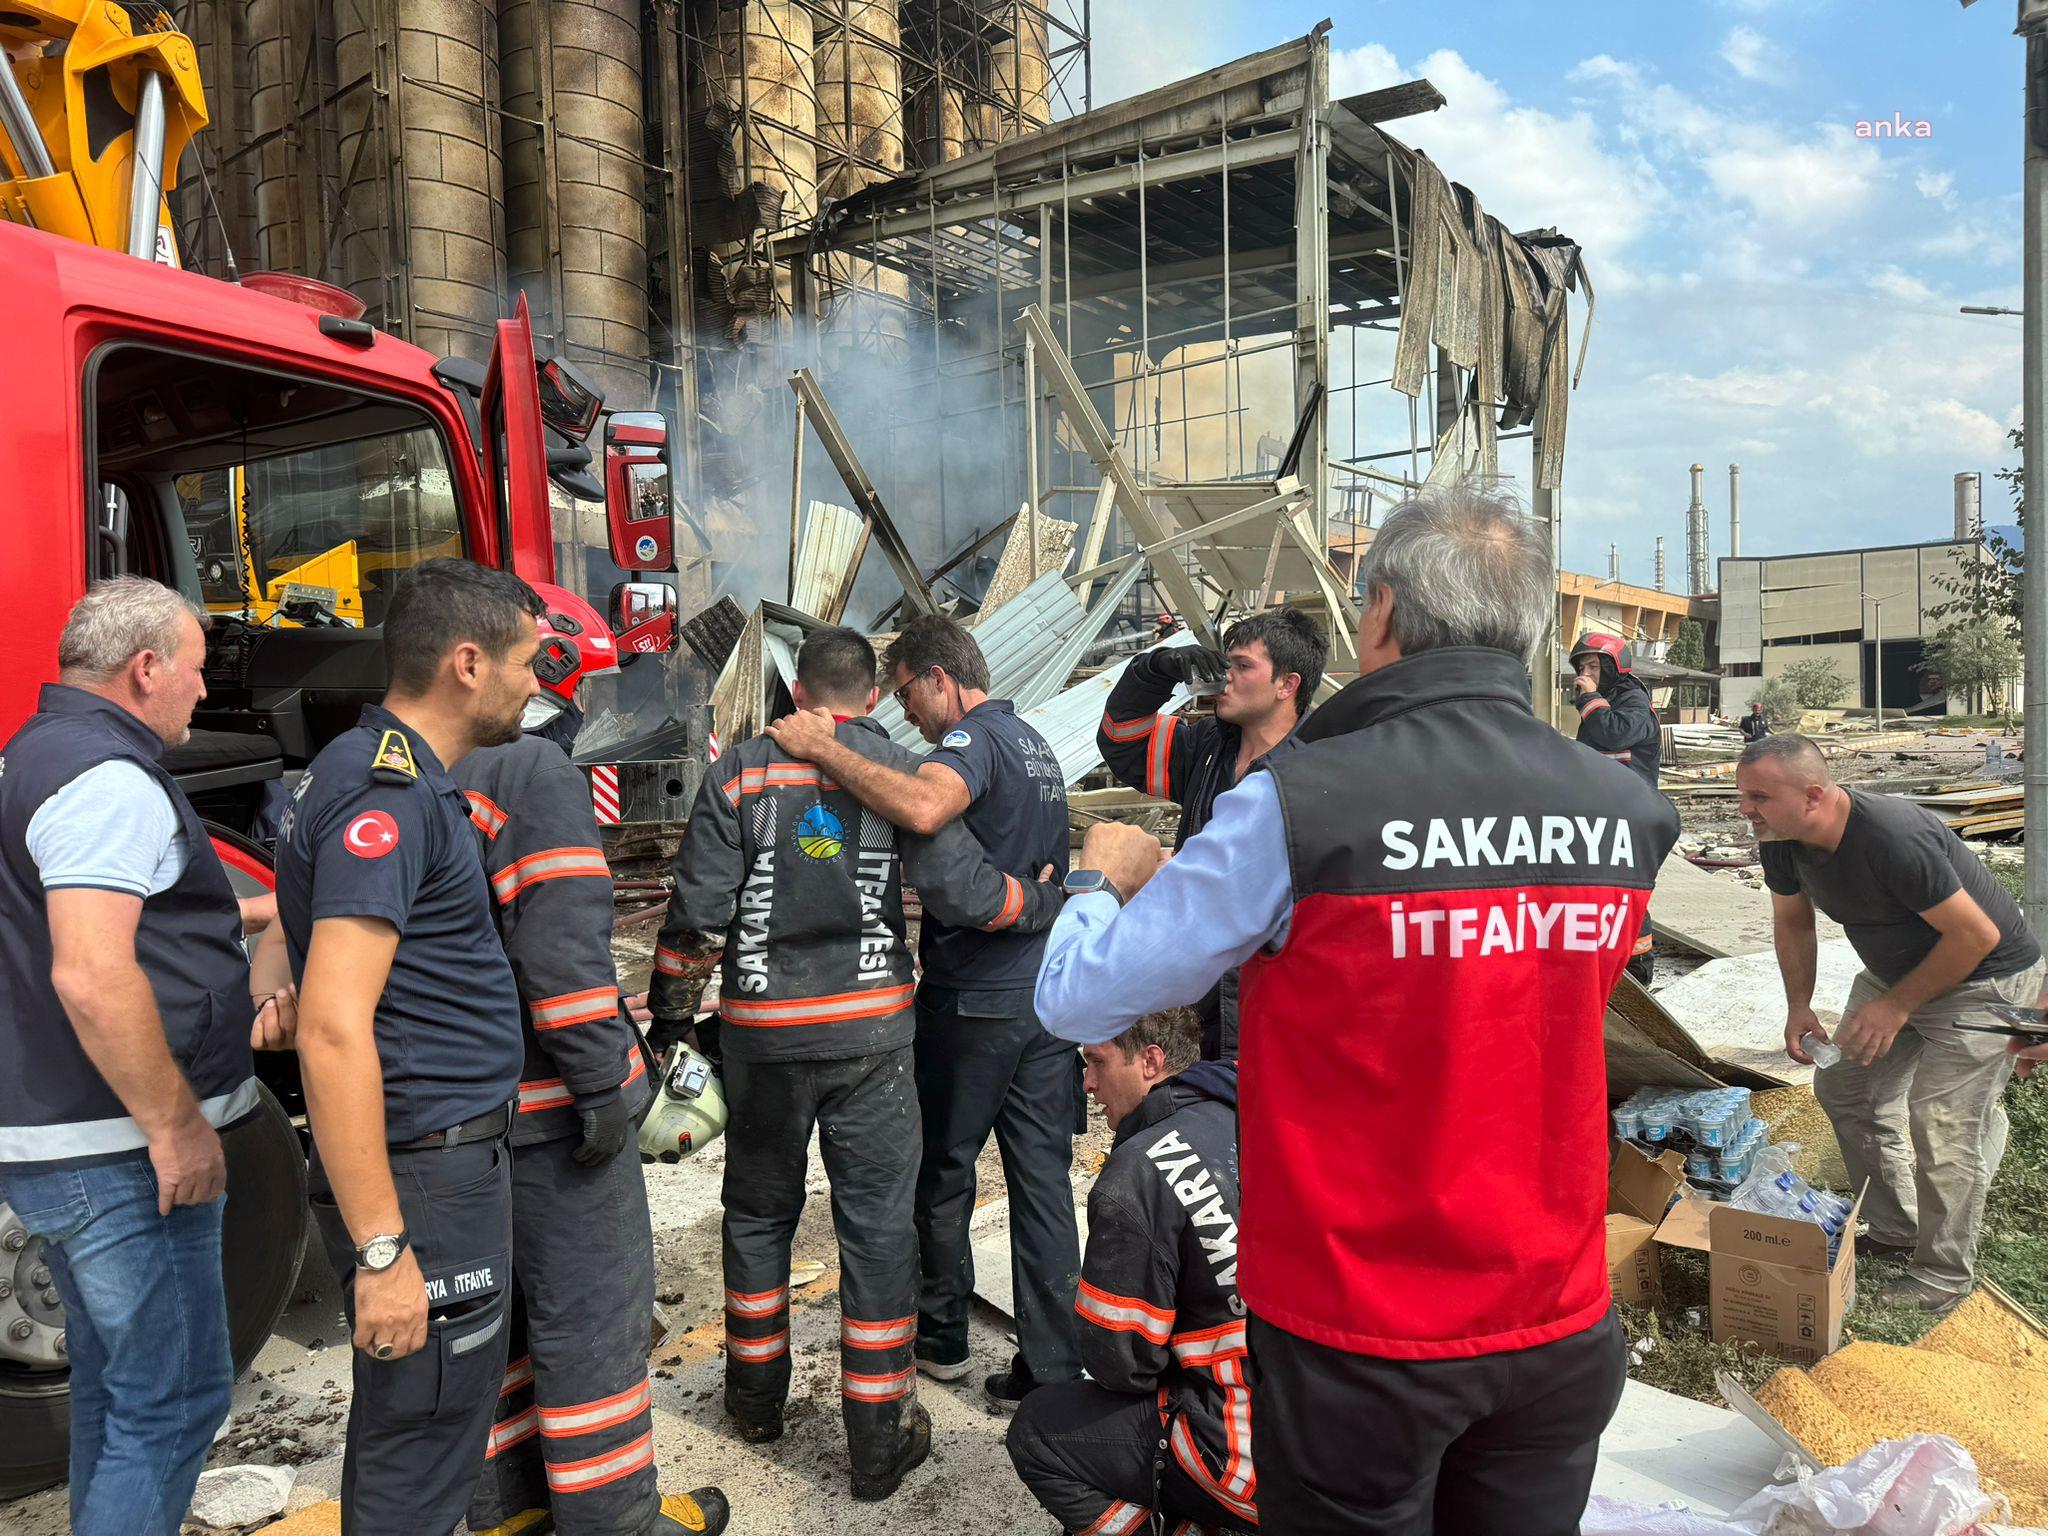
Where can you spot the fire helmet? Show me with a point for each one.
(575, 643)
(1613, 647)
(688, 1112)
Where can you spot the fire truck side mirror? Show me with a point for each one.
(643, 617)
(639, 505)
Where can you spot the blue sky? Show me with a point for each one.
(1772, 290)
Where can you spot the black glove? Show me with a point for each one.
(1195, 666)
(663, 1033)
(606, 1127)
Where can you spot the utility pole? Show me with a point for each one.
(1877, 662)
(2033, 26)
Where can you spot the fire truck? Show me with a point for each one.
(154, 420)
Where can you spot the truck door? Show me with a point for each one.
(515, 451)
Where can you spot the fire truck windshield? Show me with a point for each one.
(320, 535)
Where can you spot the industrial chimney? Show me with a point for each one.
(1660, 562)
(1734, 510)
(1969, 507)
(1696, 533)
(1614, 562)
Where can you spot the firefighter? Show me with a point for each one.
(801, 891)
(1162, 1326)
(1617, 720)
(573, 1437)
(984, 1067)
(409, 1043)
(1267, 673)
(1490, 889)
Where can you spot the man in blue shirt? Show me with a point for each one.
(409, 1042)
(983, 1063)
(125, 1026)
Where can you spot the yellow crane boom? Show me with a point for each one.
(96, 108)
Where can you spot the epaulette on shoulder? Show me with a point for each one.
(393, 762)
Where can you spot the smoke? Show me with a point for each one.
(923, 408)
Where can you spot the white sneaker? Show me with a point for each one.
(943, 1370)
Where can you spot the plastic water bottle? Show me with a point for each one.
(1825, 1052)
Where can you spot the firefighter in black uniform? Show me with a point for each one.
(1617, 720)
(573, 1438)
(1267, 674)
(800, 891)
(1162, 1326)
(409, 1044)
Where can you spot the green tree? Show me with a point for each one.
(1992, 588)
(1815, 683)
(1780, 702)
(1689, 650)
(1974, 654)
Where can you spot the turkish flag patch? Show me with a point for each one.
(371, 835)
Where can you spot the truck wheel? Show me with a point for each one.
(263, 1234)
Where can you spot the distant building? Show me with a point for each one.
(1842, 606)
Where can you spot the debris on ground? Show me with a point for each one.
(229, 1498)
(323, 1519)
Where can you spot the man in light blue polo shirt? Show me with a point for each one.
(125, 1019)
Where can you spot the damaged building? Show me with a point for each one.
(898, 282)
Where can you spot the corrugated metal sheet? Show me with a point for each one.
(1068, 720)
(1018, 640)
(1052, 675)
(831, 535)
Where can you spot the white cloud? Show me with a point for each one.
(1903, 286)
(1751, 55)
(1936, 186)
(1530, 167)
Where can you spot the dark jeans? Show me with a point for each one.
(985, 1064)
(1493, 1445)
(146, 1328)
(1096, 1460)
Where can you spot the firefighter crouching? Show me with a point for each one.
(1617, 720)
(800, 890)
(1162, 1327)
(573, 1437)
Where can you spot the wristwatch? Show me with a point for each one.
(1080, 882)
(382, 1251)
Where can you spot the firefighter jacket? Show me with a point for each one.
(1158, 1294)
(798, 889)
(1189, 762)
(551, 892)
(1424, 1121)
(1621, 723)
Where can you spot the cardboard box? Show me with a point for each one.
(1639, 1189)
(1768, 1279)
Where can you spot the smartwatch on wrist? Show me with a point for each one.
(380, 1252)
(1080, 882)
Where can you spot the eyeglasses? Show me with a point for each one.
(902, 695)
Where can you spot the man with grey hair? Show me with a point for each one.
(125, 1017)
(1431, 901)
(1914, 1098)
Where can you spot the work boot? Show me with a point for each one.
(1006, 1389)
(873, 1487)
(702, 1510)
(1889, 1253)
(753, 1431)
(1908, 1292)
(528, 1522)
